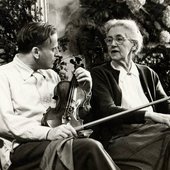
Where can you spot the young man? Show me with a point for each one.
(26, 88)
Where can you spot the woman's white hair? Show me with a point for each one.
(136, 35)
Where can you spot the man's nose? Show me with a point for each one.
(57, 53)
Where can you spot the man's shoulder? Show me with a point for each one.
(6, 67)
(50, 73)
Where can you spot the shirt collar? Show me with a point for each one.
(24, 69)
(133, 70)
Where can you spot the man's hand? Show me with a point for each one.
(84, 79)
(62, 131)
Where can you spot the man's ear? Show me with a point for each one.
(36, 52)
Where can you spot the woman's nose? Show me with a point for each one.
(114, 42)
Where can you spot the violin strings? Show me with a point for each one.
(70, 96)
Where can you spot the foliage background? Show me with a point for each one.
(84, 35)
(153, 18)
(13, 15)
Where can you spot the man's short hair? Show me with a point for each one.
(34, 34)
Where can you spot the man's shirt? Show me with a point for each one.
(24, 97)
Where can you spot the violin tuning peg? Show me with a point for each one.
(82, 65)
(78, 59)
(72, 61)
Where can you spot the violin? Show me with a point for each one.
(69, 99)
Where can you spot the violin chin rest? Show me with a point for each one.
(85, 133)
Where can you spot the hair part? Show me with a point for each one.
(34, 34)
(131, 25)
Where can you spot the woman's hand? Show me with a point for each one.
(62, 131)
(158, 117)
(84, 79)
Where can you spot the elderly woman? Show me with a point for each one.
(138, 140)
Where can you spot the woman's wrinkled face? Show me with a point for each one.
(119, 44)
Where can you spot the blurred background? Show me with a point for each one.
(79, 24)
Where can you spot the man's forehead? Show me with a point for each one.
(52, 40)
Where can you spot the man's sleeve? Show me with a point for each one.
(13, 125)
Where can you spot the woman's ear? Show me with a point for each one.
(135, 46)
(36, 52)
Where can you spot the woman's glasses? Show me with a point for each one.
(118, 40)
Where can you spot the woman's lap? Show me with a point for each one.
(148, 148)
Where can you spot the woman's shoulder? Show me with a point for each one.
(146, 69)
(104, 66)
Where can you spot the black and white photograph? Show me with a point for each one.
(84, 84)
